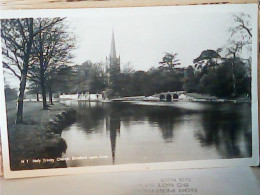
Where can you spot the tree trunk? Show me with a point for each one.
(233, 76)
(42, 71)
(19, 114)
(50, 96)
(42, 83)
(37, 96)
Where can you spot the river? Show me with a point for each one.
(139, 132)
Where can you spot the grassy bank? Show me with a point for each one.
(37, 143)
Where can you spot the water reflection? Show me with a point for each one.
(90, 117)
(140, 133)
(113, 127)
(229, 129)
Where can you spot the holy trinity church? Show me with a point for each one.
(112, 62)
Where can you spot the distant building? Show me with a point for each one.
(112, 62)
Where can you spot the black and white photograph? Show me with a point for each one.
(128, 88)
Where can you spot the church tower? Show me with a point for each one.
(113, 62)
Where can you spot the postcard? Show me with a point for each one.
(128, 89)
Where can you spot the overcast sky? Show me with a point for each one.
(142, 37)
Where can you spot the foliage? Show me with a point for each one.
(228, 78)
(169, 62)
(39, 51)
(207, 60)
(190, 80)
(10, 93)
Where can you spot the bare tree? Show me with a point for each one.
(242, 26)
(233, 51)
(240, 38)
(52, 49)
(17, 40)
(241, 30)
(128, 68)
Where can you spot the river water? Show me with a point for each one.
(139, 132)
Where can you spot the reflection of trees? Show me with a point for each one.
(90, 116)
(165, 118)
(167, 129)
(226, 129)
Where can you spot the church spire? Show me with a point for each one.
(113, 61)
(113, 47)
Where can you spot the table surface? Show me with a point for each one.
(46, 4)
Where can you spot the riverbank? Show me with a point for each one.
(196, 97)
(38, 137)
(180, 96)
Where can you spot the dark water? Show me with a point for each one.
(120, 133)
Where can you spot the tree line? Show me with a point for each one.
(33, 50)
(223, 72)
(38, 52)
(211, 74)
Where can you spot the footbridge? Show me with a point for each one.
(169, 96)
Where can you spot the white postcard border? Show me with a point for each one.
(253, 161)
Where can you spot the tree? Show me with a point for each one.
(139, 80)
(169, 62)
(206, 60)
(233, 51)
(234, 72)
(10, 93)
(63, 80)
(90, 78)
(18, 36)
(34, 81)
(96, 78)
(34, 88)
(220, 76)
(52, 47)
(171, 77)
(17, 39)
(128, 68)
(242, 26)
(228, 75)
(241, 36)
(191, 81)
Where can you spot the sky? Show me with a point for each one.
(143, 35)
(142, 38)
